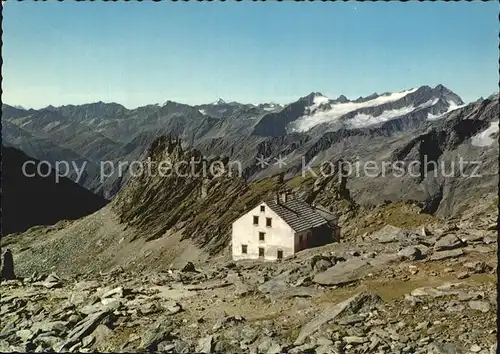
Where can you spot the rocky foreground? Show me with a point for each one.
(392, 291)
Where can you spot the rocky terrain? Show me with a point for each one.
(415, 270)
(430, 289)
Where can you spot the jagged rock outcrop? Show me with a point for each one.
(192, 198)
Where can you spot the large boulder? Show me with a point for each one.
(391, 233)
(362, 302)
(411, 253)
(448, 242)
(343, 272)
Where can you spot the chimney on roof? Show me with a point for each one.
(284, 197)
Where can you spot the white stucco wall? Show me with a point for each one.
(279, 236)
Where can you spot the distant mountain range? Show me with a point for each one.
(314, 129)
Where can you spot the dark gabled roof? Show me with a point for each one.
(327, 214)
(297, 213)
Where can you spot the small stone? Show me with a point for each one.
(462, 275)
(88, 341)
(369, 255)
(174, 308)
(116, 292)
(411, 253)
(24, 334)
(413, 269)
(165, 346)
(189, 267)
(205, 345)
(354, 340)
(482, 306)
(52, 281)
(423, 325)
(477, 266)
(475, 348)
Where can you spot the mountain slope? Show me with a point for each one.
(30, 201)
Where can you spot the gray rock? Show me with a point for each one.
(439, 256)
(432, 292)
(102, 333)
(475, 348)
(269, 345)
(182, 347)
(52, 281)
(248, 335)
(205, 345)
(383, 259)
(413, 300)
(303, 281)
(166, 346)
(173, 307)
(50, 326)
(304, 348)
(350, 306)
(241, 289)
(350, 320)
(343, 273)
(463, 296)
(50, 341)
(448, 242)
(354, 340)
(322, 265)
(156, 333)
(24, 334)
(189, 267)
(475, 237)
(482, 306)
(116, 292)
(477, 266)
(488, 240)
(391, 233)
(88, 341)
(440, 347)
(369, 255)
(209, 285)
(84, 328)
(78, 298)
(411, 253)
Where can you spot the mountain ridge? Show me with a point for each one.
(241, 131)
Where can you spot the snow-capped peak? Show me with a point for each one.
(219, 102)
(359, 113)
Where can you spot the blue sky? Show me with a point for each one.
(141, 53)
